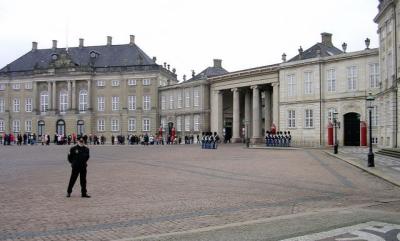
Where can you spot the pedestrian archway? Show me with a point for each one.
(351, 129)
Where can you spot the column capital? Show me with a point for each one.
(254, 87)
(234, 89)
(275, 84)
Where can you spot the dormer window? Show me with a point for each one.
(93, 54)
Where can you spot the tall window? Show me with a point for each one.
(131, 82)
(101, 125)
(16, 105)
(146, 102)
(131, 124)
(291, 118)
(164, 123)
(171, 102)
(28, 126)
(163, 102)
(331, 78)
(83, 100)
(291, 85)
(146, 82)
(179, 99)
(374, 75)
(187, 98)
(63, 101)
(44, 101)
(196, 97)
(28, 105)
(1, 125)
(389, 63)
(146, 124)
(178, 123)
(115, 103)
(196, 123)
(101, 105)
(2, 105)
(307, 83)
(2, 86)
(309, 121)
(16, 126)
(132, 102)
(28, 85)
(374, 116)
(352, 77)
(187, 123)
(114, 125)
(330, 114)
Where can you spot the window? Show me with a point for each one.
(131, 124)
(291, 118)
(331, 78)
(330, 114)
(291, 85)
(101, 83)
(164, 123)
(1, 125)
(44, 101)
(352, 77)
(2, 86)
(187, 98)
(196, 122)
(83, 100)
(146, 82)
(179, 100)
(171, 102)
(63, 101)
(196, 97)
(132, 102)
(101, 105)
(115, 83)
(374, 75)
(16, 104)
(16, 126)
(115, 103)
(163, 102)
(28, 126)
(28, 105)
(114, 125)
(309, 123)
(101, 125)
(374, 116)
(131, 82)
(187, 123)
(16, 86)
(28, 85)
(146, 102)
(178, 123)
(307, 83)
(2, 105)
(389, 64)
(146, 124)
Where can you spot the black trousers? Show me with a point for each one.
(74, 175)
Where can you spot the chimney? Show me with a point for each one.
(193, 73)
(283, 57)
(300, 52)
(54, 44)
(132, 40)
(34, 46)
(217, 63)
(326, 38)
(184, 77)
(81, 42)
(109, 40)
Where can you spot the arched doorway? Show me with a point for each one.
(351, 129)
(60, 127)
(41, 127)
(80, 127)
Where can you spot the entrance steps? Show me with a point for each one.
(392, 152)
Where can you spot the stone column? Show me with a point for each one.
(50, 95)
(54, 105)
(73, 97)
(236, 116)
(275, 105)
(247, 114)
(268, 110)
(89, 96)
(256, 137)
(220, 114)
(35, 95)
(69, 94)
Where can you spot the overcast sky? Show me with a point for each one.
(189, 34)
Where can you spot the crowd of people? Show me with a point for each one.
(278, 139)
(210, 140)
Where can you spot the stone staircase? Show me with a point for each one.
(392, 152)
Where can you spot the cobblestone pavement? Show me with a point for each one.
(138, 191)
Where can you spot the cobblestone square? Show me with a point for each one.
(149, 190)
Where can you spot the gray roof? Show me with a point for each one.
(326, 50)
(106, 56)
(208, 73)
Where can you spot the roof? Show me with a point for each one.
(105, 56)
(208, 73)
(325, 50)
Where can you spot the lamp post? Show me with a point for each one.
(370, 99)
(335, 124)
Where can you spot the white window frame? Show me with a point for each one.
(146, 82)
(101, 83)
(28, 126)
(331, 80)
(196, 97)
(28, 85)
(146, 102)
(101, 125)
(308, 83)
(330, 114)
(115, 83)
(16, 105)
(163, 102)
(308, 118)
(291, 119)
(180, 102)
(131, 82)
(374, 116)
(16, 86)
(146, 124)
(196, 122)
(171, 102)
(163, 123)
(132, 102)
(178, 123)
(2, 125)
(101, 103)
(374, 75)
(291, 81)
(187, 123)
(44, 101)
(2, 86)
(2, 105)
(83, 101)
(16, 126)
(28, 104)
(187, 98)
(115, 103)
(132, 124)
(63, 101)
(352, 76)
(114, 125)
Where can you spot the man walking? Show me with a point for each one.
(78, 156)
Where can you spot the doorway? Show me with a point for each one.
(41, 126)
(351, 129)
(60, 127)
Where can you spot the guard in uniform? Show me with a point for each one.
(78, 156)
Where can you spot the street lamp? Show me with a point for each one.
(370, 99)
(335, 124)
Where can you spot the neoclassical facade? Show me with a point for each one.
(104, 90)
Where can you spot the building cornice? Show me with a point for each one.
(246, 73)
(383, 6)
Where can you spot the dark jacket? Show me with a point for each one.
(78, 156)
